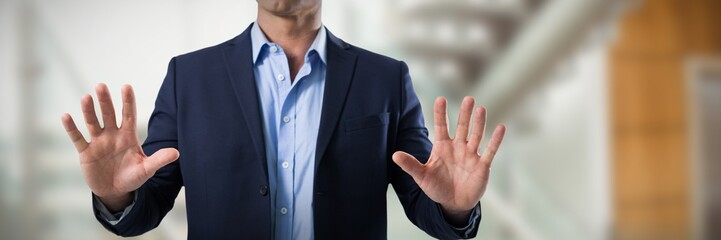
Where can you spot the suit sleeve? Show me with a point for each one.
(413, 139)
(156, 197)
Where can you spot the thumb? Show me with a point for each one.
(161, 158)
(409, 164)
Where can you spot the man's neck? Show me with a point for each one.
(294, 33)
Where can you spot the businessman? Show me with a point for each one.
(285, 132)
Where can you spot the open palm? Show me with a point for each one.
(455, 175)
(113, 163)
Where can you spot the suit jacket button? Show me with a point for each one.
(264, 190)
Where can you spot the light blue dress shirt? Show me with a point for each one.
(291, 117)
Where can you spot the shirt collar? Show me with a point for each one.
(259, 41)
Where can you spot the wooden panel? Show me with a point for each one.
(651, 29)
(649, 122)
(703, 34)
(648, 92)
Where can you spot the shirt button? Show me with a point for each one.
(283, 211)
(285, 164)
(273, 48)
(280, 77)
(286, 119)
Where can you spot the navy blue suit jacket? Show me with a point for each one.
(208, 109)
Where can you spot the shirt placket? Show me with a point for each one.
(285, 164)
(286, 143)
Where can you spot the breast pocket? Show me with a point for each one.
(366, 122)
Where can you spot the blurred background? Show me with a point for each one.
(613, 106)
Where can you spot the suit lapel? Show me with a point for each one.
(239, 62)
(341, 66)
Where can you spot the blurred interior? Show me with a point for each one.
(613, 106)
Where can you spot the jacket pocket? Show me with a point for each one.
(365, 122)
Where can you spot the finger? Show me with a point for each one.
(129, 111)
(106, 106)
(479, 129)
(75, 135)
(494, 144)
(91, 119)
(409, 164)
(160, 158)
(440, 119)
(464, 119)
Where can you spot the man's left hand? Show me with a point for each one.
(455, 175)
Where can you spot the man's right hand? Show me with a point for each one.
(113, 163)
